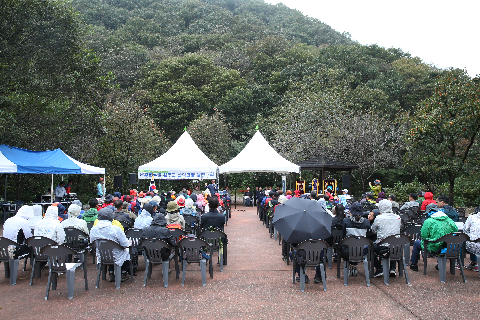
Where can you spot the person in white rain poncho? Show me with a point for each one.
(50, 227)
(105, 230)
(73, 220)
(145, 217)
(37, 216)
(17, 223)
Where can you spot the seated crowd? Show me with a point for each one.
(154, 214)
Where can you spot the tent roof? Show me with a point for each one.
(44, 162)
(7, 165)
(184, 156)
(258, 156)
(324, 163)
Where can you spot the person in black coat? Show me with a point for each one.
(213, 218)
(120, 216)
(157, 230)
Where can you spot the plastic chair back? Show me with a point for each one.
(191, 248)
(37, 243)
(90, 225)
(105, 250)
(356, 245)
(135, 235)
(213, 237)
(191, 223)
(454, 243)
(413, 231)
(397, 243)
(74, 238)
(313, 249)
(337, 235)
(4, 243)
(177, 234)
(153, 249)
(58, 256)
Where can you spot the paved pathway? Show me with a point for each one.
(256, 284)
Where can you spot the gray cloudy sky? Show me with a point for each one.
(442, 33)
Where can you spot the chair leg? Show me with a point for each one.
(274, 233)
(425, 262)
(346, 264)
(339, 263)
(33, 271)
(442, 267)
(461, 270)
(184, 269)
(7, 269)
(210, 266)
(405, 270)
(118, 275)
(452, 266)
(221, 260)
(302, 278)
(225, 246)
(99, 267)
(131, 270)
(25, 263)
(322, 271)
(386, 269)
(70, 283)
(49, 282)
(177, 267)
(13, 271)
(165, 267)
(145, 277)
(203, 269)
(54, 280)
(330, 257)
(294, 262)
(367, 271)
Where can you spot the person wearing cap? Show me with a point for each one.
(181, 201)
(213, 218)
(100, 189)
(421, 197)
(61, 212)
(297, 193)
(128, 211)
(173, 216)
(50, 227)
(106, 230)
(436, 226)
(73, 220)
(412, 202)
(108, 201)
(157, 230)
(376, 189)
(386, 224)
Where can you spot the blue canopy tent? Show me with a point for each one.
(21, 161)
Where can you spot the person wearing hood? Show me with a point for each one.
(73, 220)
(427, 201)
(189, 209)
(323, 203)
(386, 224)
(50, 227)
(443, 203)
(174, 216)
(37, 216)
(145, 217)
(437, 225)
(114, 222)
(355, 225)
(106, 230)
(213, 218)
(381, 196)
(157, 230)
(61, 212)
(17, 228)
(78, 203)
(472, 229)
(91, 214)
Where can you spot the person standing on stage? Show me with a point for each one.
(60, 191)
(100, 189)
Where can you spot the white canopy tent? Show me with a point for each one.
(253, 158)
(7, 166)
(184, 160)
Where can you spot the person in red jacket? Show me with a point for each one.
(427, 201)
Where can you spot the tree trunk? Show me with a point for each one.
(451, 179)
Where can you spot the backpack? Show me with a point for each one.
(301, 257)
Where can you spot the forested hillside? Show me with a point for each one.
(87, 75)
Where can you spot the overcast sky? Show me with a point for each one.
(442, 33)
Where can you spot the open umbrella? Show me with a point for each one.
(298, 220)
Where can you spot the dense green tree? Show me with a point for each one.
(444, 133)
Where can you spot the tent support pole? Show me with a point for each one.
(5, 199)
(104, 187)
(51, 191)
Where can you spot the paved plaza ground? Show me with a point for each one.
(256, 284)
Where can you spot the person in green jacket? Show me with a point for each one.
(376, 189)
(91, 214)
(436, 226)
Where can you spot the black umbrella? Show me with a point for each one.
(298, 220)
